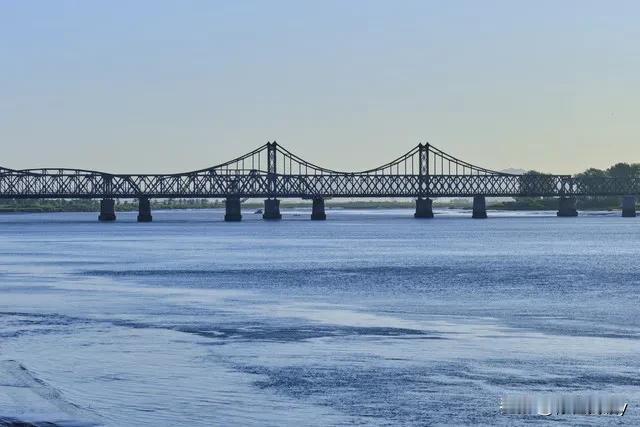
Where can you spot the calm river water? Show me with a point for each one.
(369, 318)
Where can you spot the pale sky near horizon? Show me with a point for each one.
(169, 86)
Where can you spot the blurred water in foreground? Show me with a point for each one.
(369, 318)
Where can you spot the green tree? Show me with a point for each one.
(534, 182)
(624, 170)
(588, 181)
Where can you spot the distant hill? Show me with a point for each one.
(513, 171)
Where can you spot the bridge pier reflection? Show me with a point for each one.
(232, 209)
(567, 206)
(424, 208)
(144, 210)
(107, 210)
(317, 210)
(271, 209)
(629, 206)
(479, 207)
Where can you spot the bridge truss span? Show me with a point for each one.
(272, 171)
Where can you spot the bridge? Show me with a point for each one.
(272, 172)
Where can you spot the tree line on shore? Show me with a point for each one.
(619, 170)
(90, 205)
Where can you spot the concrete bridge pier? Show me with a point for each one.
(144, 210)
(317, 211)
(424, 208)
(271, 209)
(107, 210)
(479, 207)
(629, 206)
(567, 207)
(232, 209)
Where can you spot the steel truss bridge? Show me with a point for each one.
(272, 171)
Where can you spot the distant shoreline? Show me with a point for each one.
(93, 206)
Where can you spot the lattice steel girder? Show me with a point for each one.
(262, 184)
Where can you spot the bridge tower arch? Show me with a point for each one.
(271, 203)
(424, 205)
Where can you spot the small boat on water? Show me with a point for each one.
(259, 211)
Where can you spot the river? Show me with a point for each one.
(368, 318)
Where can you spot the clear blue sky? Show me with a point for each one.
(163, 86)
